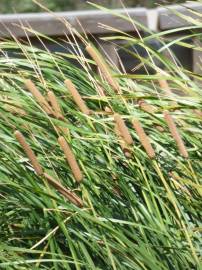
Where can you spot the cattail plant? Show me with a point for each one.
(145, 106)
(38, 169)
(103, 68)
(38, 96)
(30, 154)
(114, 192)
(166, 89)
(123, 144)
(70, 159)
(123, 130)
(143, 138)
(176, 136)
(55, 105)
(76, 96)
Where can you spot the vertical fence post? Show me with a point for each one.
(197, 57)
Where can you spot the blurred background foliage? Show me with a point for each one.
(21, 6)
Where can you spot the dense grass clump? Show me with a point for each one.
(98, 171)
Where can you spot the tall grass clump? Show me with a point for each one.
(99, 171)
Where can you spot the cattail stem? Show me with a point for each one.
(70, 159)
(57, 111)
(143, 138)
(101, 93)
(76, 96)
(30, 154)
(71, 196)
(38, 96)
(103, 68)
(55, 105)
(123, 129)
(146, 107)
(173, 129)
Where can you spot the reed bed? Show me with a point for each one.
(83, 187)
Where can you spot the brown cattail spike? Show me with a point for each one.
(100, 91)
(70, 159)
(173, 129)
(38, 96)
(55, 105)
(123, 129)
(146, 106)
(198, 113)
(57, 111)
(71, 196)
(103, 68)
(108, 109)
(143, 138)
(14, 110)
(123, 145)
(165, 87)
(30, 154)
(76, 96)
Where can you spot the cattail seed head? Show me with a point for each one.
(123, 144)
(107, 109)
(159, 128)
(103, 68)
(15, 110)
(70, 159)
(30, 154)
(146, 107)
(165, 87)
(143, 138)
(176, 136)
(76, 96)
(38, 96)
(123, 129)
(100, 91)
(198, 113)
(55, 106)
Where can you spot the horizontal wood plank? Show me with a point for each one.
(57, 24)
(169, 16)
